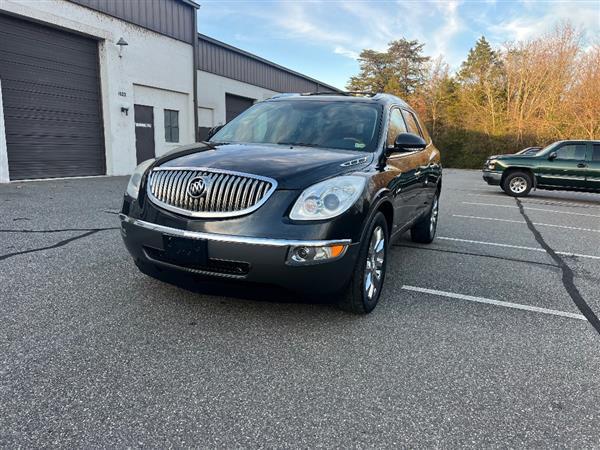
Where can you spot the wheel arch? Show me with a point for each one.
(381, 202)
(512, 169)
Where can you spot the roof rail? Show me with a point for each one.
(346, 93)
(285, 94)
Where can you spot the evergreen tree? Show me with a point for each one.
(481, 77)
(401, 70)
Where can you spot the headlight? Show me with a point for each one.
(133, 188)
(491, 165)
(328, 198)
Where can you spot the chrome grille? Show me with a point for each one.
(203, 192)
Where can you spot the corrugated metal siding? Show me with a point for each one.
(172, 18)
(51, 96)
(224, 60)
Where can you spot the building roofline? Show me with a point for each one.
(191, 3)
(265, 61)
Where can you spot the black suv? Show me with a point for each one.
(303, 190)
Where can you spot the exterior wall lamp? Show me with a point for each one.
(121, 43)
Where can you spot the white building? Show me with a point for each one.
(92, 87)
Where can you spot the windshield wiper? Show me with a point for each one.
(301, 144)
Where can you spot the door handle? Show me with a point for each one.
(581, 165)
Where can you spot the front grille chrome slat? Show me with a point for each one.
(225, 193)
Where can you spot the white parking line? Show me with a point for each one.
(532, 209)
(520, 247)
(523, 222)
(540, 202)
(489, 301)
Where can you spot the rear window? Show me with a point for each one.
(596, 153)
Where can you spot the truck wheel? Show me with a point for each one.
(362, 293)
(424, 230)
(517, 184)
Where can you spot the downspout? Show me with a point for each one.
(4, 177)
(195, 74)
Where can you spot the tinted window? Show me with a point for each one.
(318, 123)
(571, 151)
(596, 153)
(396, 127)
(171, 125)
(411, 123)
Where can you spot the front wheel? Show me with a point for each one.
(517, 184)
(364, 289)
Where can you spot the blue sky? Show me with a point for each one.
(323, 38)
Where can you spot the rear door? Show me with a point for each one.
(568, 169)
(421, 161)
(593, 169)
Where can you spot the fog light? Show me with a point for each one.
(308, 255)
(301, 254)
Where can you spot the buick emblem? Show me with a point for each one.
(196, 187)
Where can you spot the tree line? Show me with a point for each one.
(525, 93)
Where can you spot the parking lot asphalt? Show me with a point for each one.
(480, 339)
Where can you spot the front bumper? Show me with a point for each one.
(492, 178)
(261, 260)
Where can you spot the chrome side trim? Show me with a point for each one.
(564, 177)
(230, 238)
(211, 215)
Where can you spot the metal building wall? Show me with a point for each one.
(173, 18)
(227, 61)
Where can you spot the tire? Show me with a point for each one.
(517, 184)
(148, 269)
(424, 230)
(364, 289)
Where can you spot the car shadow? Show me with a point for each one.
(240, 289)
(577, 198)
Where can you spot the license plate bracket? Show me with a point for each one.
(185, 251)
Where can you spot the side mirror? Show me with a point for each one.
(213, 131)
(552, 156)
(408, 142)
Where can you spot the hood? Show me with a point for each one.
(511, 156)
(294, 167)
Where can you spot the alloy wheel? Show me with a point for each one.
(434, 216)
(375, 262)
(518, 185)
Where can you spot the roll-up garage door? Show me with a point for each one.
(51, 95)
(235, 105)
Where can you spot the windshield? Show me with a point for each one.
(313, 123)
(529, 151)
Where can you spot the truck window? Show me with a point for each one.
(571, 151)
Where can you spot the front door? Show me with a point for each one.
(593, 169)
(567, 169)
(402, 174)
(144, 132)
